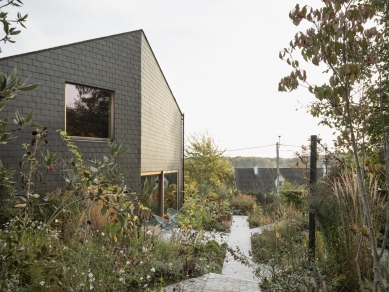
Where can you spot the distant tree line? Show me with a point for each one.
(262, 162)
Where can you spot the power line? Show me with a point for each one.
(291, 145)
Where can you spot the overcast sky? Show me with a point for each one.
(220, 58)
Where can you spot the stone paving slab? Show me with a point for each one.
(220, 237)
(240, 239)
(214, 283)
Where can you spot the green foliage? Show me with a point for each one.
(294, 198)
(143, 263)
(10, 86)
(345, 40)
(353, 49)
(10, 30)
(170, 193)
(206, 169)
(53, 244)
(198, 213)
(340, 215)
(282, 251)
(263, 199)
(244, 203)
(148, 188)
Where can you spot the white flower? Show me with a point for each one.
(144, 249)
(148, 277)
(148, 232)
(56, 221)
(41, 283)
(102, 233)
(153, 270)
(145, 285)
(141, 278)
(141, 263)
(127, 263)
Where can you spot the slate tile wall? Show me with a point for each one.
(161, 136)
(112, 63)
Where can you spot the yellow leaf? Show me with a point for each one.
(115, 238)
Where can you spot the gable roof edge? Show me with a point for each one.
(71, 44)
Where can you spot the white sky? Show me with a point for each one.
(220, 58)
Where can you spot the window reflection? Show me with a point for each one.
(88, 111)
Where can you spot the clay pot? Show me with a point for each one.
(223, 217)
(226, 224)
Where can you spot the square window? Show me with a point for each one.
(89, 111)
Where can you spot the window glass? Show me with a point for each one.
(88, 111)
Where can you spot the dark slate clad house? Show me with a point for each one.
(106, 88)
(263, 179)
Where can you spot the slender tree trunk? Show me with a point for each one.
(363, 196)
(362, 189)
(386, 154)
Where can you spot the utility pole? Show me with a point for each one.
(312, 185)
(278, 166)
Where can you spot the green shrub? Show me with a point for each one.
(341, 221)
(263, 199)
(254, 218)
(198, 213)
(294, 198)
(244, 203)
(281, 250)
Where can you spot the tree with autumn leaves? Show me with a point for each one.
(207, 171)
(349, 38)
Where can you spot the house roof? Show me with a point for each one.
(246, 180)
(101, 38)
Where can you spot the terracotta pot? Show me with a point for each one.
(226, 224)
(223, 217)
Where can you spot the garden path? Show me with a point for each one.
(235, 276)
(240, 239)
